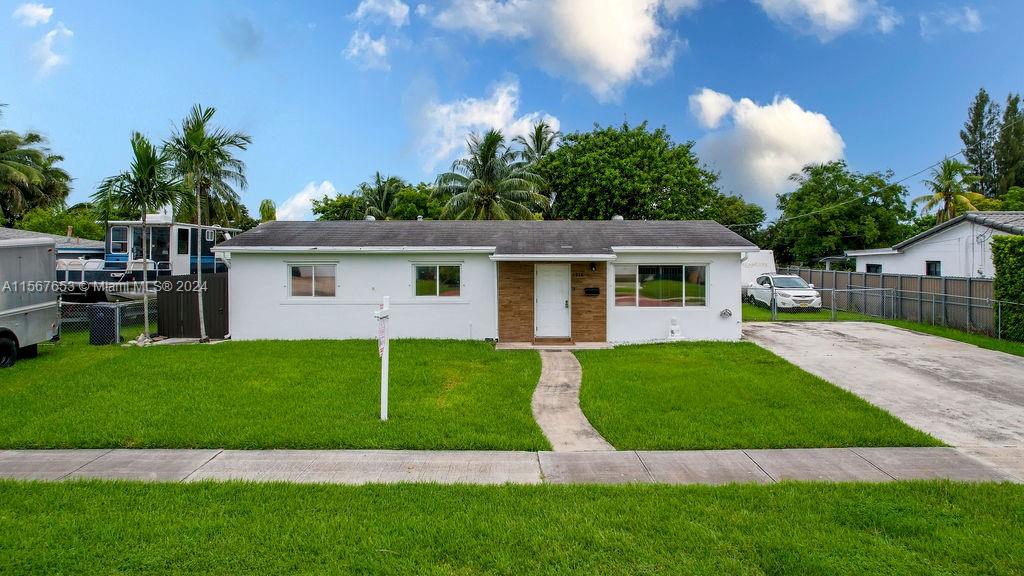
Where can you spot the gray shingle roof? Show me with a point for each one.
(508, 237)
(1009, 222)
(63, 242)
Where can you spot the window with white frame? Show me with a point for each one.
(312, 280)
(437, 279)
(660, 286)
(119, 239)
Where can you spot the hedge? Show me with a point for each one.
(1008, 257)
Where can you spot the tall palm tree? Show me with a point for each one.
(268, 211)
(491, 183)
(380, 195)
(146, 185)
(950, 191)
(204, 159)
(538, 143)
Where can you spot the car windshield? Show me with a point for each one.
(789, 282)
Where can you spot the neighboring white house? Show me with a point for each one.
(514, 281)
(959, 247)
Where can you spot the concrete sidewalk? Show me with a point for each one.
(482, 467)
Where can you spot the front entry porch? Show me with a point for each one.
(551, 303)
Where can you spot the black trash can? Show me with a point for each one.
(104, 323)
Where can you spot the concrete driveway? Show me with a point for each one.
(963, 395)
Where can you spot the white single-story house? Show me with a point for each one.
(959, 247)
(513, 281)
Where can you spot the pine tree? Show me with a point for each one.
(979, 137)
(1009, 148)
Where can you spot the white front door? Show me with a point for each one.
(551, 300)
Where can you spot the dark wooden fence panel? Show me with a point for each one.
(178, 315)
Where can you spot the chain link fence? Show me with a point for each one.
(84, 322)
(828, 304)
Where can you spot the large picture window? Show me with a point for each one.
(660, 286)
(438, 280)
(312, 280)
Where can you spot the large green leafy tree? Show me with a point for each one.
(835, 209)
(1009, 147)
(635, 172)
(82, 220)
(341, 207)
(741, 216)
(203, 157)
(979, 136)
(951, 191)
(491, 183)
(147, 185)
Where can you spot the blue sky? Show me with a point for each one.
(332, 91)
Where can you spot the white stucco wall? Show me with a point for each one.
(260, 307)
(964, 249)
(632, 324)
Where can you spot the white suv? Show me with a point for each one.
(791, 292)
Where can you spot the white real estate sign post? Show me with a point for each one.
(383, 345)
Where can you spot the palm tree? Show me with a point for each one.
(268, 211)
(145, 186)
(380, 195)
(203, 158)
(950, 191)
(538, 143)
(491, 183)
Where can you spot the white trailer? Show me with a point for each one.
(29, 310)
(754, 265)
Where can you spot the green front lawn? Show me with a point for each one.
(234, 528)
(271, 394)
(711, 395)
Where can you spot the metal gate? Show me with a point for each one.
(178, 306)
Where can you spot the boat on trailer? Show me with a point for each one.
(174, 249)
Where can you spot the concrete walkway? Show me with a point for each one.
(963, 395)
(476, 467)
(556, 405)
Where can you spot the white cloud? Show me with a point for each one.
(30, 14)
(828, 19)
(422, 10)
(393, 11)
(368, 53)
(966, 19)
(605, 44)
(299, 206)
(764, 144)
(710, 107)
(445, 125)
(43, 51)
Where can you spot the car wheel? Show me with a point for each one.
(8, 352)
(28, 351)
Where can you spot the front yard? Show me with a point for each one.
(310, 394)
(233, 528)
(714, 395)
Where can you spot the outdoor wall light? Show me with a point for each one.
(593, 266)
(726, 313)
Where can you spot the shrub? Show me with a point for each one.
(1008, 257)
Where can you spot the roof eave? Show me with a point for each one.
(354, 249)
